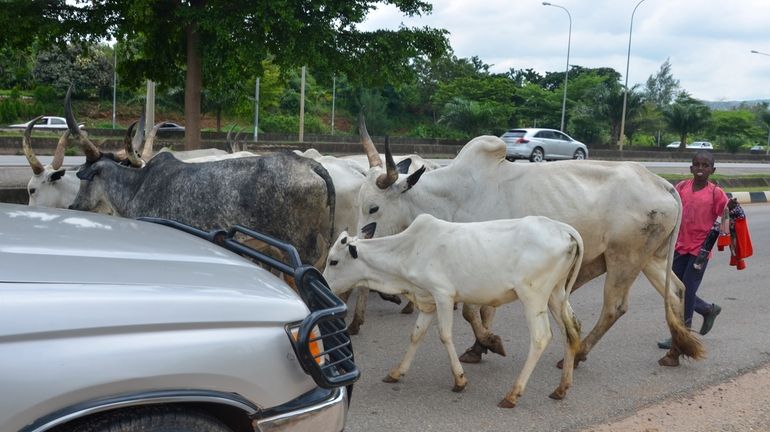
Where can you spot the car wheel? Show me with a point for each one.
(152, 419)
(580, 154)
(537, 155)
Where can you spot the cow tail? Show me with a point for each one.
(571, 322)
(682, 339)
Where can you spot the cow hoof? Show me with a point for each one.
(470, 357)
(497, 346)
(409, 308)
(354, 328)
(669, 360)
(458, 388)
(558, 394)
(505, 403)
(389, 379)
(391, 298)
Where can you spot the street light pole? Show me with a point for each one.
(566, 72)
(622, 138)
(767, 150)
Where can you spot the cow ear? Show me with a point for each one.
(403, 166)
(57, 175)
(353, 251)
(413, 178)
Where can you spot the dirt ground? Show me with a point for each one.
(740, 404)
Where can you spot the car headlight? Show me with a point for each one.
(314, 343)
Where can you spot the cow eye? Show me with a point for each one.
(374, 209)
(333, 262)
(32, 191)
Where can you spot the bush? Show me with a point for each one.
(731, 143)
(277, 123)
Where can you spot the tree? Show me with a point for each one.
(233, 37)
(472, 117)
(685, 116)
(662, 86)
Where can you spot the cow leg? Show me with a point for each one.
(445, 309)
(360, 310)
(684, 342)
(570, 329)
(485, 339)
(420, 327)
(621, 274)
(539, 337)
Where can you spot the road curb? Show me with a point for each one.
(750, 197)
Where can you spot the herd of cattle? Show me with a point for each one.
(481, 231)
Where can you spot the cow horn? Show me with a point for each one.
(386, 179)
(128, 145)
(366, 141)
(58, 154)
(230, 143)
(149, 143)
(91, 151)
(34, 163)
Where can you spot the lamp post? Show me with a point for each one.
(622, 138)
(767, 150)
(566, 72)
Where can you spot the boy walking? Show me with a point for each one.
(702, 203)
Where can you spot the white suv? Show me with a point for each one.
(540, 145)
(113, 324)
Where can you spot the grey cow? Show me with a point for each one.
(283, 195)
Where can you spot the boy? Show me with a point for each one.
(702, 203)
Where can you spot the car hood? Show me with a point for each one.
(76, 261)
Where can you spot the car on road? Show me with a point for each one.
(538, 145)
(757, 149)
(170, 127)
(693, 145)
(45, 122)
(119, 324)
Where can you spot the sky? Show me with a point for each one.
(707, 42)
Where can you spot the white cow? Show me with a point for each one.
(50, 185)
(189, 156)
(437, 263)
(348, 177)
(627, 216)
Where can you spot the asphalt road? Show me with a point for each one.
(620, 376)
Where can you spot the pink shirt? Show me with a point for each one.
(699, 211)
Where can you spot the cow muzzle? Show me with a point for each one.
(367, 231)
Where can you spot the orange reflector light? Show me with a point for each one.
(316, 344)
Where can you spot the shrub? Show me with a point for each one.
(731, 143)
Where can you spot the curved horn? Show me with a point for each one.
(148, 151)
(58, 154)
(240, 147)
(35, 164)
(366, 141)
(128, 146)
(230, 144)
(136, 142)
(388, 178)
(91, 151)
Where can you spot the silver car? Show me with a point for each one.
(540, 145)
(112, 324)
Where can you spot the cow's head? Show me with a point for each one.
(48, 186)
(92, 194)
(383, 211)
(343, 270)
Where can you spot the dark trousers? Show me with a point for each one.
(691, 279)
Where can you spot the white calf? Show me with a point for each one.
(436, 263)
